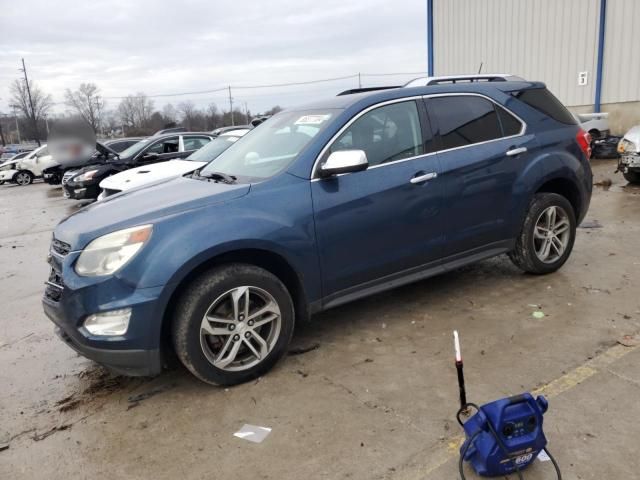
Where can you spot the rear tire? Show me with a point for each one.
(632, 176)
(218, 330)
(547, 235)
(23, 177)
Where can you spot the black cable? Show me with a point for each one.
(555, 464)
(463, 453)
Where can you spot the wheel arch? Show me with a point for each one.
(266, 259)
(566, 188)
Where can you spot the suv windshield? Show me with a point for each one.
(214, 148)
(272, 146)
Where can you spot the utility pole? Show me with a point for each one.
(246, 112)
(33, 113)
(359, 80)
(231, 106)
(17, 124)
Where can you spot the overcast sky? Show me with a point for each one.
(148, 46)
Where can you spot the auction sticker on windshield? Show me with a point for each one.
(312, 119)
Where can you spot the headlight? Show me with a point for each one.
(86, 176)
(107, 254)
(626, 146)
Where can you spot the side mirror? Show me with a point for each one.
(344, 161)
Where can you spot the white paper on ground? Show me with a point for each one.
(543, 457)
(253, 433)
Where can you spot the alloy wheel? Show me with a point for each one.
(23, 179)
(240, 328)
(551, 235)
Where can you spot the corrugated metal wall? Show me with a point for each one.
(621, 76)
(548, 40)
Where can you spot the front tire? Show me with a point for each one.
(632, 176)
(547, 235)
(232, 324)
(23, 177)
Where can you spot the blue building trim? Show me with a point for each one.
(430, 38)
(601, 35)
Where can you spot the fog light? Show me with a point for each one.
(114, 322)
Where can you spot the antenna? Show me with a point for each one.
(480, 69)
(459, 367)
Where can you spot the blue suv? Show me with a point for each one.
(318, 206)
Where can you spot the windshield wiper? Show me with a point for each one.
(216, 176)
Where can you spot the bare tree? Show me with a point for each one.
(213, 117)
(135, 111)
(88, 102)
(189, 112)
(20, 101)
(169, 113)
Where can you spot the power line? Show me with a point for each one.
(271, 85)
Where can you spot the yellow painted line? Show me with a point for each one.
(447, 451)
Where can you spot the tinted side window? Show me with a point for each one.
(544, 101)
(386, 134)
(170, 145)
(510, 124)
(194, 143)
(465, 120)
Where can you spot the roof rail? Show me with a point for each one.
(486, 77)
(367, 89)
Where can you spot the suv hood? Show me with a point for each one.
(144, 205)
(136, 177)
(633, 135)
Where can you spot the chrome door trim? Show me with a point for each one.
(522, 132)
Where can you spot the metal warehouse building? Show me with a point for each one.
(586, 51)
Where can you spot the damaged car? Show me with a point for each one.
(321, 205)
(629, 150)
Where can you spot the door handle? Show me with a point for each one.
(424, 178)
(516, 151)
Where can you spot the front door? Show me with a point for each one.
(386, 220)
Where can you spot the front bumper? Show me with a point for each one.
(629, 160)
(90, 192)
(52, 178)
(124, 362)
(70, 299)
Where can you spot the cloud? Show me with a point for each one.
(126, 47)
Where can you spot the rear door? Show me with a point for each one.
(386, 220)
(482, 150)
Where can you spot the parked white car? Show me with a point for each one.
(629, 150)
(139, 176)
(28, 168)
(596, 124)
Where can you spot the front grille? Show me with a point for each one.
(54, 288)
(59, 247)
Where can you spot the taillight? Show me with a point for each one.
(584, 141)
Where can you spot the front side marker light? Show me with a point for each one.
(114, 322)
